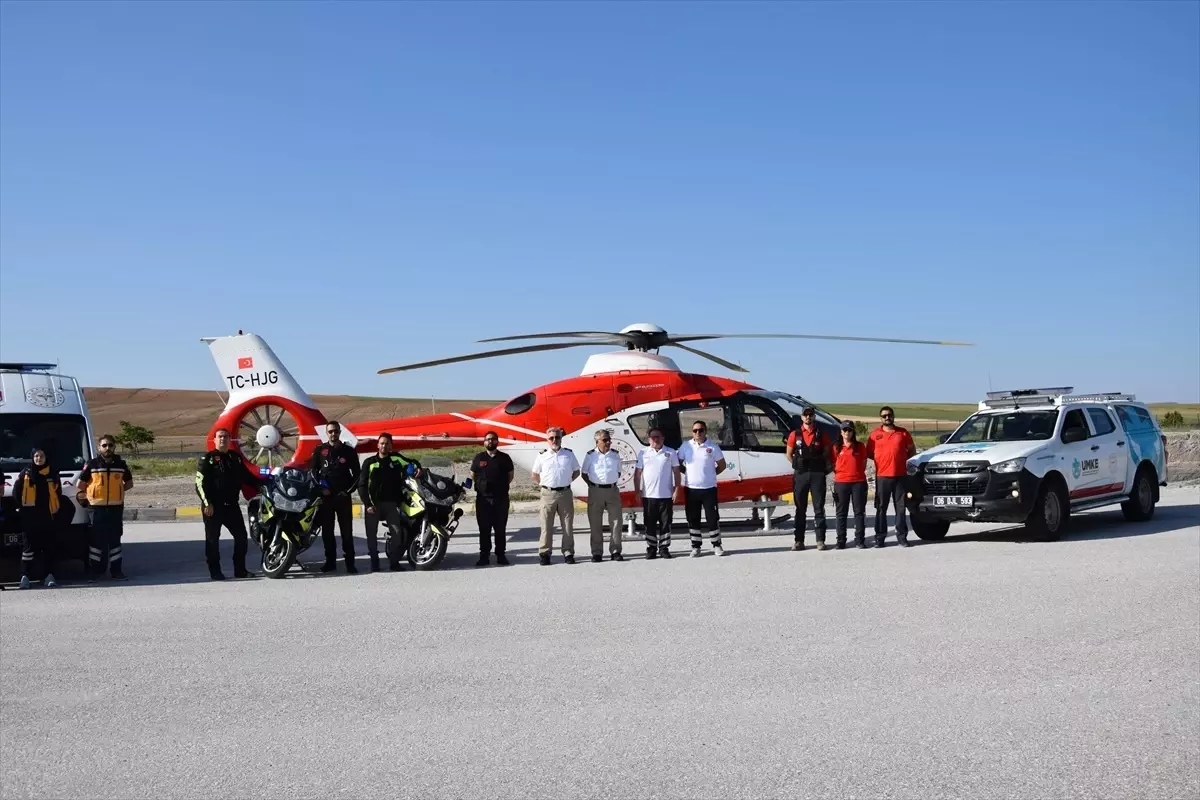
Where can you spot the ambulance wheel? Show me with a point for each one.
(1050, 512)
(1140, 505)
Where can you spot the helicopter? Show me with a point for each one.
(274, 423)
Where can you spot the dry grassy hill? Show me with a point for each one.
(181, 418)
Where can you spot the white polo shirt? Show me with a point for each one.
(602, 468)
(658, 472)
(555, 468)
(700, 463)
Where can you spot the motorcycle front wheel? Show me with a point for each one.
(278, 556)
(431, 555)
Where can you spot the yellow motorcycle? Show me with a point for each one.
(283, 518)
(430, 518)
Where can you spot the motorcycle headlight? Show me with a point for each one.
(278, 499)
(1006, 467)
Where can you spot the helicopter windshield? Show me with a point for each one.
(792, 405)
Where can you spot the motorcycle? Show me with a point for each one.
(283, 517)
(427, 509)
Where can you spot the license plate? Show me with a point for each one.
(13, 539)
(956, 500)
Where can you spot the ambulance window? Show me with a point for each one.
(1075, 419)
(1101, 421)
(520, 404)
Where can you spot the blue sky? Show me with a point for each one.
(366, 184)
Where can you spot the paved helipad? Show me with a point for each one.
(981, 666)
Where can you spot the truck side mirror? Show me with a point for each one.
(942, 439)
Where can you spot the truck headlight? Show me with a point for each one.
(913, 467)
(1006, 467)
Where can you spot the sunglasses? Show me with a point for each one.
(699, 430)
(105, 445)
(553, 438)
(605, 440)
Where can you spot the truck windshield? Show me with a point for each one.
(63, 436)
(1014, 426)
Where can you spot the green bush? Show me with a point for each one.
(860, 428)
(1172, 419)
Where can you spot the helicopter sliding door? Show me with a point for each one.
(760, 431)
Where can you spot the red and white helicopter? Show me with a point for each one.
(274, 422)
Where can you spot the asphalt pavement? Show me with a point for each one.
(981, 666)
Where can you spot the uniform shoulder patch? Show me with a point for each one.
(589, 452)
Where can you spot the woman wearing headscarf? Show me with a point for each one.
(38, 492)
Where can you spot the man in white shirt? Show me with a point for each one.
(554, 470)
(655, 482)
(601, 472)
(702, 461)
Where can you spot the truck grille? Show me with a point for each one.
(956, 477)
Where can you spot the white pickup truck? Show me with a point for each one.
(1034, 456)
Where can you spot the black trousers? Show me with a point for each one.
(492, 515)
(695, 501)
(390, 512)
(802, 484)
(890, 489)
(229, 517)
(656, 514)
(104, 539)
(39, 546)
(341, 506)
(844, 494)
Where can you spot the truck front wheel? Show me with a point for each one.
(1049, 515)
(930, 530)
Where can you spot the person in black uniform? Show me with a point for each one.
(336, 463)
(220, 476)
(492, 472)
(381, 488)
(811, 454)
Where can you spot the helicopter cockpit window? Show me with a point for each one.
(520, 405)
(640, 425)
(762, 427)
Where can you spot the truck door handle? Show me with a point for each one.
(1095, 447)
(1121, 444)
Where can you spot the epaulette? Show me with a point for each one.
(589, 452)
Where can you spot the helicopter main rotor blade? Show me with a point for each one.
(710, 357)
(695, 337)
(620, 337)
(489, 354)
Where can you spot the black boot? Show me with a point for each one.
(544, 558)
(651, 553)
(351, 567)
(215, 574)
(375, 562)
(330, 565)
(483, 560)
(501, 559)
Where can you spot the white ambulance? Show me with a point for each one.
(44, 409)
(1036, 456)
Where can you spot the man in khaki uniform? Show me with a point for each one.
(554, 470)
(601, 471)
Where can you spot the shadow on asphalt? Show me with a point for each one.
(182, 562)
(1092, 526)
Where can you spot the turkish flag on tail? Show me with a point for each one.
(245, 363)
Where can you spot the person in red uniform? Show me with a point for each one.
(890, 447)
(850, 484)
(811, 456)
